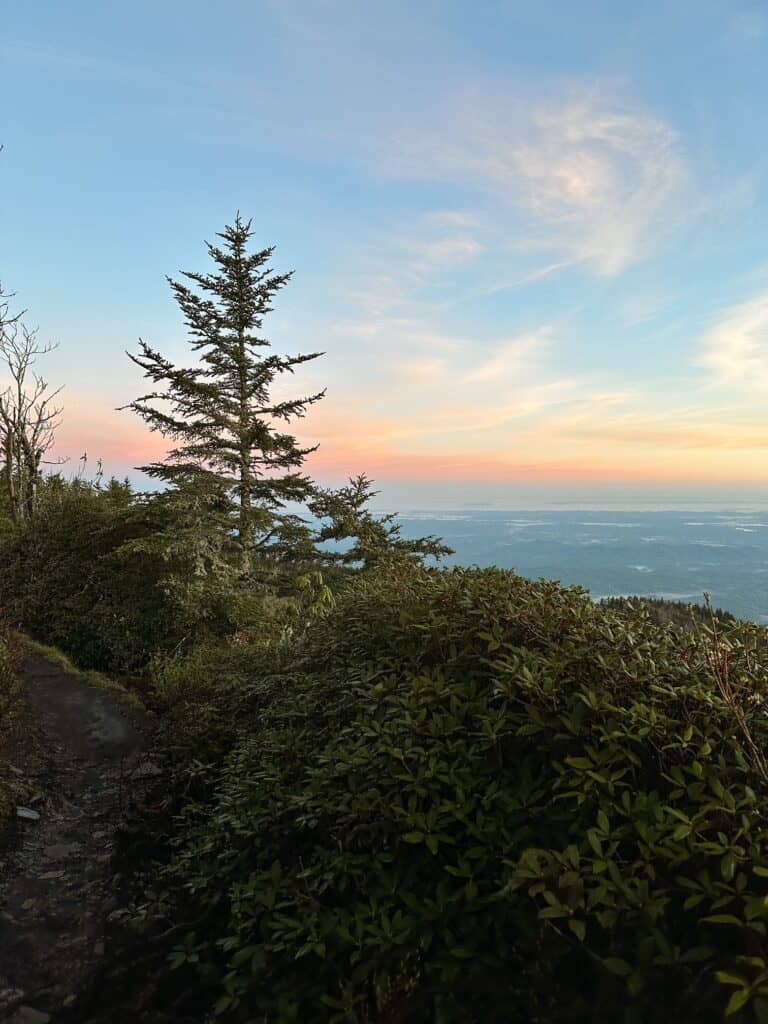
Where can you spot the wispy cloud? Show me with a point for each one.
(598, 179)
(440, 392)
(735, 348)
(669, 435)
(511, 359)
(447, 251)
(530, 277)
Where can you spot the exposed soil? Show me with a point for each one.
(84, 752)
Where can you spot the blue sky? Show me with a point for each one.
(530, 238)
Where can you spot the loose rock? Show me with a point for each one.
(27, 814)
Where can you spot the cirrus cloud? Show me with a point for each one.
(598, 179)
(736, 346)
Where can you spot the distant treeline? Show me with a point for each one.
(669, 613)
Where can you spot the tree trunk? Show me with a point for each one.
(8, 474)
(246, 483)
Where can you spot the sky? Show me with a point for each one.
(531, 239)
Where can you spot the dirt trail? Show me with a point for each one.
(55, 877)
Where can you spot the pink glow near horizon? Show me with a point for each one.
(122, 443)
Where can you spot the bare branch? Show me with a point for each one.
(29, 416)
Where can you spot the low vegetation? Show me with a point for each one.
(12, 784)
(669, 613)
(463, 796)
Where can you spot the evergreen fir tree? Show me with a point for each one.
(361, 539)
(222, 412)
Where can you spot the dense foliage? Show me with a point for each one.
(11, 705)
(108, 577)
(464, 796)
(115, 578)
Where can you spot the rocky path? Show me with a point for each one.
(56, 884)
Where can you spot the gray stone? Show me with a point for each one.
(60, 850)
(27, 814)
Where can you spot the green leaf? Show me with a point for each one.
(617, 966)
(728, 866)
(726, 978)
(594, 842)
(558, 911)
(737, 1000)
(224, 1003)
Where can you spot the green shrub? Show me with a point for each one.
(11, 704)
(9, 690)
(109, 577)
(464, 796)
(669, 613)
(54, 582)
(117, 579)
